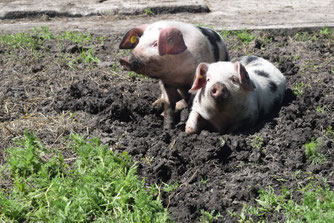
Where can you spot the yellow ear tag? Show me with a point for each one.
(133, 39)
(200, 77)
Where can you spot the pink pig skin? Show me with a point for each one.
(229, 96)
(170, 51)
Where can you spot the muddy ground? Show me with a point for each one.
(53, 93)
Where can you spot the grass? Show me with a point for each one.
(100, 186)
(256, 142)
(209, 217)
(299, 88)
(322, 109)
(312, 152)
(244, 36)
(315, 205)
(34, 42)
(148, 12)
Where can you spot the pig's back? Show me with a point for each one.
(269, 81)
(204, 43)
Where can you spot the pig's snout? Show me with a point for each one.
(219, 92)
(125, 62)
(130, 63)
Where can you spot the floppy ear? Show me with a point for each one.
(244, 80)
(171, 41)
(200, 77)
(131, 38)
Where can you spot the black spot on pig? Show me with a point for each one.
(261, 73)
(214, 39)
(273, 86)
(256, 64)
(250, 59)
(276, 104)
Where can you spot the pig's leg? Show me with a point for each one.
(159, 103)
(170, 96)
(180, 104)
(195, 123)
(183, 102)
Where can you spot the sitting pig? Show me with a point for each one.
(170, 51)
(229, 95)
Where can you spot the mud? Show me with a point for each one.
(54, 98)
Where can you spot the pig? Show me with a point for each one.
(170, 52)
(232, 96)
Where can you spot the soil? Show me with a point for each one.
(41, 91)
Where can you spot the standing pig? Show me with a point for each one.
(234, 95)
(170, 51)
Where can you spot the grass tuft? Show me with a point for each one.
(100, 186)
(312, 152)
(315, 205)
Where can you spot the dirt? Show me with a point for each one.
(41, 91)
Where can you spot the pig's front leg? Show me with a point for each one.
(195, 123)
(170, 96)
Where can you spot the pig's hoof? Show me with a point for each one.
(169, 125)
(159, 103)
(190, 130)
(180, 105)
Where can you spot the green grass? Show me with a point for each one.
(322, 109)
(34, 41)
(148, 12)
(100, 186)
(312, 152)
(256, 142)
(20, 40)
(299, 88)
(315, 205)
(329, 133)
(245, 36)
(209, 217)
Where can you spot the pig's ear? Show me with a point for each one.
(245, 81)
(200, 77)
(171, 41)
(131, 38)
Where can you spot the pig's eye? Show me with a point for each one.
(235, 79)
(155, 43)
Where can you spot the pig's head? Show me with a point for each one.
(152, 47)
(222, 85)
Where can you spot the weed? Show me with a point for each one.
(329, 133)
(226, 33)
(169, 188)
(222, 141)
(79, 38)
(245, 36)
(87, 57)
(315, 205)
(20, 40)
(101, 185)
(301, 36)
(204, 180)
(148, 11)
(256, 142)
(299, 88)
(312, 152)
(322, 109)
(43, 33)
(324, 31)
(134, 74)
(209, 217)
(243, 216)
